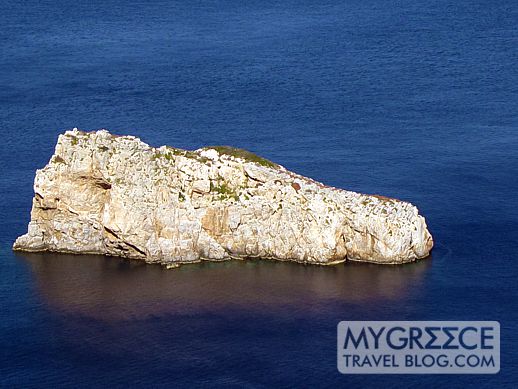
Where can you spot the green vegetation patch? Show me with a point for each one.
(225, 192)
(243, 154)
(73, 139)
(171, 152)
(222, 150)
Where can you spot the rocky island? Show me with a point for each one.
(116, 195)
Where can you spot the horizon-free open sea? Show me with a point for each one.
(410, 99)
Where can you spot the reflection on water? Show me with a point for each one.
(111, 288)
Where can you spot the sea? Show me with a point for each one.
(413, 99)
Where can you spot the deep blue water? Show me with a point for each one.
(412, 99)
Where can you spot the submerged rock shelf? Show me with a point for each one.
(116, 195)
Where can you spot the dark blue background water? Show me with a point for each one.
(412, 99)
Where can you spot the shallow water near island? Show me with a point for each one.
(410, 99)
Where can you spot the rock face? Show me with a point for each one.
(116, 195)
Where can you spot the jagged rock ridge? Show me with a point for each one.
(116, 195)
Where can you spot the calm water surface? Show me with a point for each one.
(411, 99)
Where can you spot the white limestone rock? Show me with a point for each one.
(116, 195)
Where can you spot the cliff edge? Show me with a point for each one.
(116, 195)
